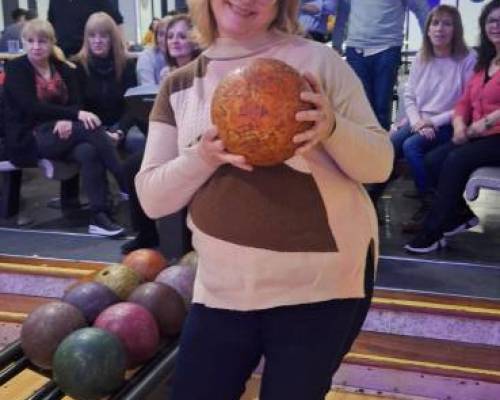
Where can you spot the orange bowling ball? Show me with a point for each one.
(254, 109)
(146, 262)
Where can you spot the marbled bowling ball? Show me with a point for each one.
(90, 364)
(122, 280)
(181, 279)
(166, 305)
(91, 298)
(146, 262)
(254, 109)
(135, 326)
(190, 259)
(46, 327)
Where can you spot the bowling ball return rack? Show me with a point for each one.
(140, 382)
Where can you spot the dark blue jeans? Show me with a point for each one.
(413, 147)
(303, 346)
(378, 73)
(454, 164)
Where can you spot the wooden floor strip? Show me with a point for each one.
(433, 356)
(63, 272)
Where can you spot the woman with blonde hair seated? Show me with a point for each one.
(104, 73)
(45, 119)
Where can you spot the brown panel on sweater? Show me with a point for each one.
(286, 212)
(178, 80)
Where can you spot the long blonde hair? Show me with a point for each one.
(43, 29)
(205, 26)
(102, 22)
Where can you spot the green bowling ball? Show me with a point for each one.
(89, 364)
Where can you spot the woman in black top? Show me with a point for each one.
(104, 73)
(44, 119)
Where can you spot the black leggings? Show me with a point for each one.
(303, 345)
(454, 164)
(50, 145)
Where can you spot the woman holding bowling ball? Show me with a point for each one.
(286, 252)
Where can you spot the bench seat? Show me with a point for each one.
(482, 178)
(12, 178)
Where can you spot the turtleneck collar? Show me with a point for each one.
(228, 48)
(104, 66)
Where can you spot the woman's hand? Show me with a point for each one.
(322, 116)
(422, 123)
(397, 125)
(459, 131)
(63, 129)
(477, 129)
(90, 120)
(211, 149)
(427, 132)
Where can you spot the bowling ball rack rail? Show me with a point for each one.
(138, 385)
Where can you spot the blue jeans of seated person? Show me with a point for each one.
(52, 146)
(454, 164)
(378, 73)
(302, 345)
(414, 146)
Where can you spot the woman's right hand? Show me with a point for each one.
(211, 149)
(90, 120)
(63, 129)
(459, 132)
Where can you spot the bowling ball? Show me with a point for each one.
(91, 298)
(135, 326)
(254, 107)
(181, 279)
(46, 327)
(89, 364)
(166, 305)
(146, 262)
(121, 279)
(189, 259)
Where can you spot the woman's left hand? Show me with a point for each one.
(477, 128)
(322, 116)
(63, 129)
(427, 132)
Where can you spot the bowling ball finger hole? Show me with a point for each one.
(105, 273)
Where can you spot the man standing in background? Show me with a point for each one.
(70, 16)
(373, 47)
(13, 31)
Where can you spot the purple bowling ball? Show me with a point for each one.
(181, 279)
(91, 299)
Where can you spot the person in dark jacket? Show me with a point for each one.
(44, 119)
(105, 73)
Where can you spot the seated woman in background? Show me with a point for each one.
(104, 74)
(437, 80)
(179, 50)
(475, 144)
(44, 118)
(153, 59)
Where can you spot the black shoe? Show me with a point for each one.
(461, 224)
(140, 242)
(101, 224)
(415, 223)
(426, 242)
